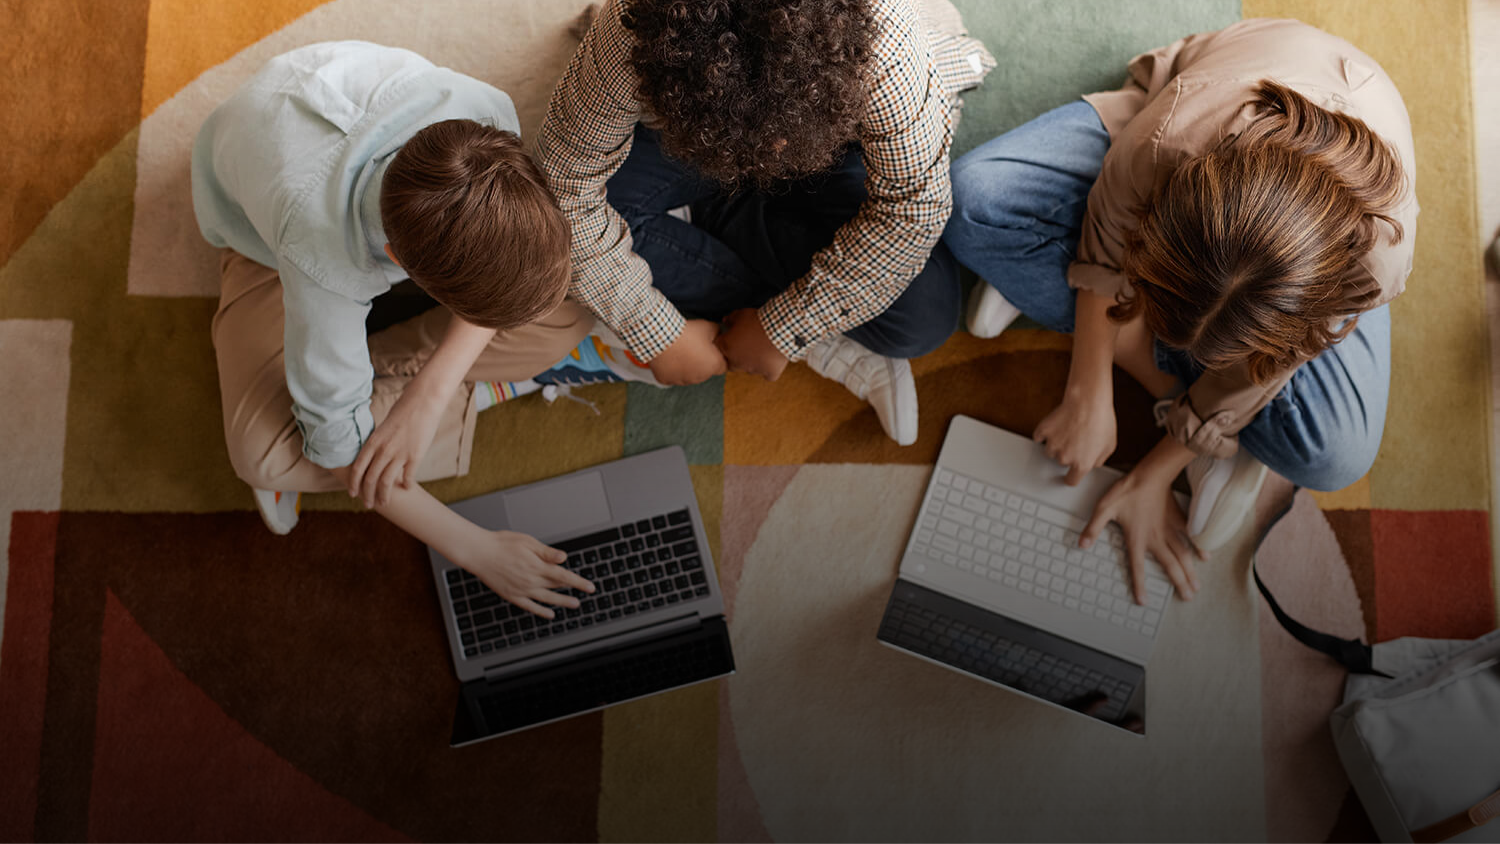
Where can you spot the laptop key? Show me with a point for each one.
(697, 578)
(627, 530)
(622, 548)
(635, 594)
(701, 591)
(673, 568)
(465, 622)
(483, 618)
(460, 606)
(680, 517)
(488, 633)
(675, 535)
(456, 591)
(467, 638)
(643, 526)
(656, 572)
(682, 582)
(471, 651)
(691, 563)
(653, 541)
(632, 562)
(648, 557)
(664, 553)
(659, 522)
(637, 545)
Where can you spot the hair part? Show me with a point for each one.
(471, 219)
(753, 91)
(1244, 255)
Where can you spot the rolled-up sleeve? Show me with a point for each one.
(584, 139)
(328, 369)
(905, 136)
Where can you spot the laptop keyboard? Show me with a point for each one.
(1027, 545)
(994, 657)
(635, 567)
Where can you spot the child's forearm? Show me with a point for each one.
(1089, 374)
(416, 511)
(1164, 461)
(451, 361)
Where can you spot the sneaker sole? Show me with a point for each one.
(1233, 504)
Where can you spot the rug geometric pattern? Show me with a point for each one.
(171, 671)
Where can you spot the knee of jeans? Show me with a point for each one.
(982, 216)
(1338, 461)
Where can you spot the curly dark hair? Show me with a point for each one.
(752, 91)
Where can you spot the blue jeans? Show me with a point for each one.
(744, 247)
(1018, 205)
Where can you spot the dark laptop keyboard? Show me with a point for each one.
(635, 567)
(994, 657)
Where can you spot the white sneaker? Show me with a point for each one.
(278, 509)
(1224, 491)
(989, 312)
(886, 383)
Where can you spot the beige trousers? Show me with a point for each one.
(265, 446)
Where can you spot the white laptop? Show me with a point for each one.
(993, 584)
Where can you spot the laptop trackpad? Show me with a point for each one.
(554, 509)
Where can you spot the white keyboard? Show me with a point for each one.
(1032, 547)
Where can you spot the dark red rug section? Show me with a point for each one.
(161, 744)
(23, 669)
(1433, 575)
(308, 671)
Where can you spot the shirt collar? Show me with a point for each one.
(368, 211)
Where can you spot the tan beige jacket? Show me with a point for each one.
(1181, 100)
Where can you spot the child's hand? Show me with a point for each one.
(1141, 503)
(1079, 434)
(746, 347)
(523, 571)
(395, 448)
(692, 358)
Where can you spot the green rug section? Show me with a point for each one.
(1049, 54)
(692, 417)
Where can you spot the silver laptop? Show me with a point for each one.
(655, 621)
(993, 584)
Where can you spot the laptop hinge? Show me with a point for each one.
(532, 663)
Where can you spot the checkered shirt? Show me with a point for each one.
(905, 135)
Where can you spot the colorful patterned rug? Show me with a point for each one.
(171, 671)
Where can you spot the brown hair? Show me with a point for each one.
(1244, 254)
(472, 221)
(752, 91)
